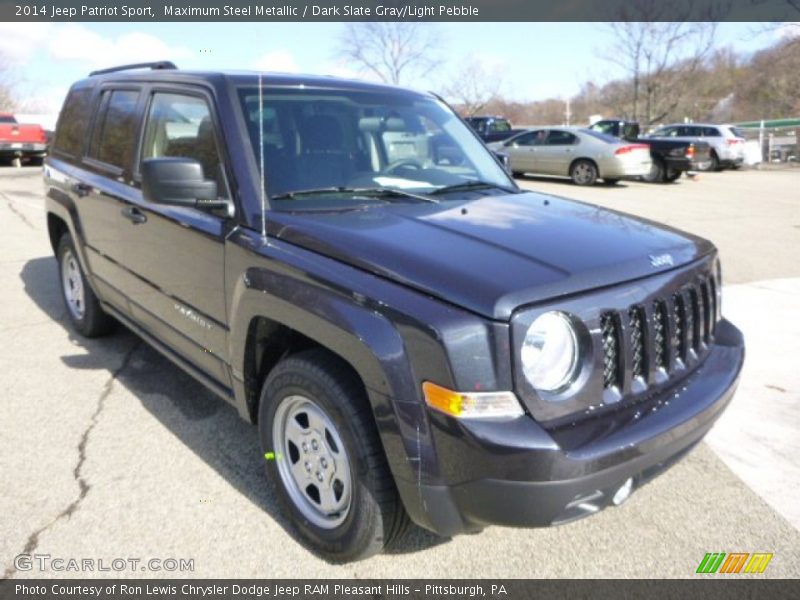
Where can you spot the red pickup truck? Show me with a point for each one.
(19, 142)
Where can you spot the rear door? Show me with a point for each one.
(557, 152)
(100, 183)
(177, 254)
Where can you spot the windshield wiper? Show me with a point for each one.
(472, 185)
(378, 192)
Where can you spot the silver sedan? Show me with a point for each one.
(580, 154)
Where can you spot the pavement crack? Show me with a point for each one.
(83, 486)
(16, 211)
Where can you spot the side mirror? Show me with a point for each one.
(179, 182)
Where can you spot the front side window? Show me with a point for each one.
(560, 138)
(180, 125)
(312, 139)
(114, 134)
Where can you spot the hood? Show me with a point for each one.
(493, 254)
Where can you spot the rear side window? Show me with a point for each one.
(710, 132)
(73, 123)
(114, 135)
(560, 138)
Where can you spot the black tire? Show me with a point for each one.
(87, 316)
(711, 165)
(656, 174)
(608, 181)
(671, 176)
(583, 172)
(517, 174)
(375, 517)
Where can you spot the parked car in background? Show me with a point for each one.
(726, 141)
(671, 158)
(20, 142)
(582, 155)
(492, 129)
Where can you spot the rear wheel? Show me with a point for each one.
(656, 173)
(329, 466)
(672, 175)
(583, 172)
(712, 164)
(517, 174)
(83, 307)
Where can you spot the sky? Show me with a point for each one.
(536, 60)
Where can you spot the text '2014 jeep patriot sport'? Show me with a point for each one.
(351, 268)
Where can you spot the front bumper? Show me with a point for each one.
(519, 474)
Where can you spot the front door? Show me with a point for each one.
(557, 152)
(177, 254)
(521, 151)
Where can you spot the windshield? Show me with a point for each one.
(331, 142)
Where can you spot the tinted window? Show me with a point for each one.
(7, 119)
(114, 135)
(532, 138)
(736, 131)
(710, 132)
(500, 126)
(73, 123)
(181, 126)
(560, 138)
(608, 139)
(666, 132)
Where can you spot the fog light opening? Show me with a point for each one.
(623, 492)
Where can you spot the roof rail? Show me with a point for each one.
(155, 66)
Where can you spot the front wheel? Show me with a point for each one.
(583, 172)
(327, 461)
(83, 307)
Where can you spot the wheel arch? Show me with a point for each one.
(578, 159)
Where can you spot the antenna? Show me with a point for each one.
(261, 157)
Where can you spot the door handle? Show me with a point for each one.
(134, 215)
(81, 189)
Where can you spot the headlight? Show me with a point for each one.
(550, 352)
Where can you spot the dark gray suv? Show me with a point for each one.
(415, 337)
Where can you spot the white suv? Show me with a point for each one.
(726, 141)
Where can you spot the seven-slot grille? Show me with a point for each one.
(660, 337)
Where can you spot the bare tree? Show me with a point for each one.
(7, 81)
(473, 86)
(391, 51)
(660, 56)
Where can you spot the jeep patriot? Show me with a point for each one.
(415, 337)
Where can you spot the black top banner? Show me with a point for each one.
(400, 10)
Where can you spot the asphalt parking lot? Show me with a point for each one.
(108, 451)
